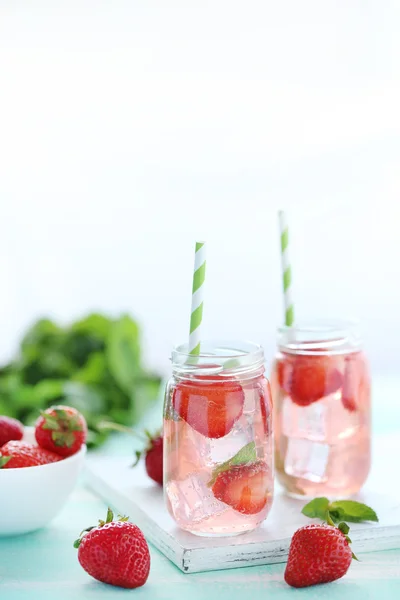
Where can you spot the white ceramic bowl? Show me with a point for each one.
(31, 497)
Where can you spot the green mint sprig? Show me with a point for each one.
(339, 510)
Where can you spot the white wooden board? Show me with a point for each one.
(131, 492)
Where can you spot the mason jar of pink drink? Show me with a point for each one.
(322, 410)
(218, 447)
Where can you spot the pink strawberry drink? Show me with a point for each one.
(321, 391)
(218, 455)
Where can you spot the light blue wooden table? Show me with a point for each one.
(44, 565)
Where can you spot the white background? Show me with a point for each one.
(128, 129)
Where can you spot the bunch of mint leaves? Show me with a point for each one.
(93, 364)
(339, 510)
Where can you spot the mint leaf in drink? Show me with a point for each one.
(246, 455)
(350, 510)
(316, 509)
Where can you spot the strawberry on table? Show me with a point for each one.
(210, 407)
(115, 552)
(153, 458)
(61, 429)
(17, 454)
(10, 429)
(243, 487)
(313, 377)
(318, 554)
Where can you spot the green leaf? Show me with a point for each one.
(4, 460)
(246, 455)
(344, 528)
(350, 510)
(123, 353)
(62, 438)
(94, 371)
(110, 515)
(316, 509)
(48, 391)
(50, 422)
(138, 455)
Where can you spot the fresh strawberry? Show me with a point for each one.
(17, 454)
(244, 487)
(318, 554)
(10, 429)
(352, 383)
(312, 378)
(61, 429)
(115, 552)
(210, 407)
(153, 457)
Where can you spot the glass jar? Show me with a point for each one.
(321, 392)
(218, 449)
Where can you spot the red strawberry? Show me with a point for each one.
(61, 429)
(244, 487)
(115, 552)
(317, 554)
(153, 457)
(10, 429)
(210, 407)
(17, 454)
(313, 377)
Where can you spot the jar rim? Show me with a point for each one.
(226, 358)
(321, 336)
(231, 349)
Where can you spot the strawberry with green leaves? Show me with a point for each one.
(61, 429)
(115, 552)
(153, 457)
(320, 553)
(17, 454)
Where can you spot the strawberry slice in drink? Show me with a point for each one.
(243, 487)
(208, 406)
(314, 377)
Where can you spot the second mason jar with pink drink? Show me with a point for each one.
(218, 451)
(321, 390)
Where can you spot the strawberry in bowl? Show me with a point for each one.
(30, 471)
(61, 429)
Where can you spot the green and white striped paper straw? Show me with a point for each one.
(286, 270)
(196, 316)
